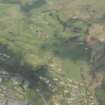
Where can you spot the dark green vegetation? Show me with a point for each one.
(36, 35)
(12, 66)
(40, 34)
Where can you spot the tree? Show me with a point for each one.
(27, 76)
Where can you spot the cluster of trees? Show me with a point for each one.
(73, 46)
(39, 80)
(27, 34)
(14, 66)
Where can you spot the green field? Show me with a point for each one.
(27, 34)
(52, 32)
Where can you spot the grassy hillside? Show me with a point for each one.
(27, 28)
(52, 32)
